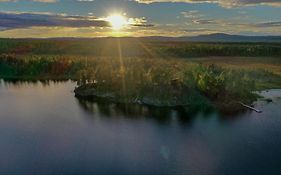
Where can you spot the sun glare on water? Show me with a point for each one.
(117, 22)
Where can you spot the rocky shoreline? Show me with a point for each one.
(89, 91)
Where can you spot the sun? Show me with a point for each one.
(117, 22)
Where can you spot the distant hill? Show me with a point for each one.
(215, 37)
(219, 37)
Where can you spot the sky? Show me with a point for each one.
(103, 18)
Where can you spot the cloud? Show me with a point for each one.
(219, 23)
(224, 3)
(269, 24)
(191, 14)
(44, 1)
(25, 20)
(12, 20)
(206, 21)
(139, 22)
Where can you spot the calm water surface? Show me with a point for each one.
(44, 129)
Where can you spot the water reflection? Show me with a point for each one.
(47, 128)
(163, 115)
(18, 83)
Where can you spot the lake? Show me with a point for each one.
(45, 130)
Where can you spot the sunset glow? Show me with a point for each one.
(100, 18)
(117, 21)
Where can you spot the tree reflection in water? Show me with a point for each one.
(163, 115)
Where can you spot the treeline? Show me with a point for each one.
(132, 47)
(39, 67)
(222, 49)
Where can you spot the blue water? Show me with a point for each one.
(44, 129)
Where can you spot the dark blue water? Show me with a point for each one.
(44, 129)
